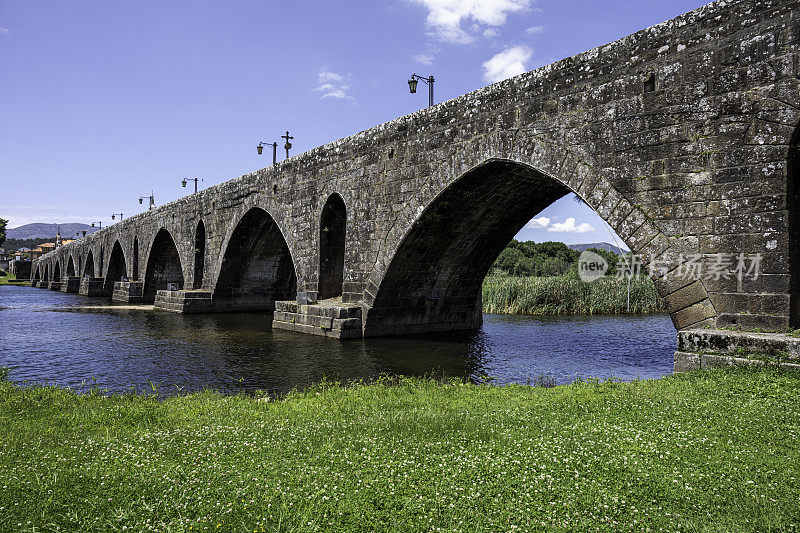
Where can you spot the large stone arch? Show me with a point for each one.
(256, 267)
(431, 279)
(164, 266)
(57, 271)
(117, 269)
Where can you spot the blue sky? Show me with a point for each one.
(103, 102)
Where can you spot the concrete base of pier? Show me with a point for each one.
(54, 285)
(71, 284)
(712, 348)
(92, 287)
(327, 318)
(128, 291)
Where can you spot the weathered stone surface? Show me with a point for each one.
(70, 284)
(92, 287)
(697, 163)
(685, 362)
(128, 291)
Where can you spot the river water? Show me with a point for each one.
(68, 340)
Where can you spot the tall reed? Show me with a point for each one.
(563, 295)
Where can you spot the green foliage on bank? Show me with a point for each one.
(566, 294)
(528, 258)
(713, 451)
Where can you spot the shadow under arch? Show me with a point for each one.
(88, 270)
(793, 206)
(38, 274)
(70, 267)
(257, 267)
(163, 266)
(332, 238)
(433, 281)
(199, 255)
(135, 264)
(116, 268)
(46, 274)
(57, 272)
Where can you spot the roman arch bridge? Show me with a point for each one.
(682, 136)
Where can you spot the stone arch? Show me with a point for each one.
(257, 267)
(432, 280)
(163, 266)
(116, 268)
(100, 263)
(38, 274)
(199, 255)
(332, 237)
(46, 273)
(88, 271)
(793, 206)
(70, 267)
(80, 265)
(57, 271)
(135, 265)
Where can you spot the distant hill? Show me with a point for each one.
(39, 230)
(599, 245)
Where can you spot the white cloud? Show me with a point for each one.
(424, 59)
(332, 85)
(538, 223)
(445, 17)
(568, 226)
(4, 31)
(534, 30)
(507, 63)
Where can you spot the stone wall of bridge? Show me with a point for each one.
(679, 137)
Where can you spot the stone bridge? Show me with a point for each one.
(682, 137)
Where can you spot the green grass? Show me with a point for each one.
(713, 451)
(6, 280)
(563, 295)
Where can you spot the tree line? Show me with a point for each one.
(528, 258)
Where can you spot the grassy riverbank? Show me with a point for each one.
(564, 295)
(712, 451)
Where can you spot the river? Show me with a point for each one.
(69, 340)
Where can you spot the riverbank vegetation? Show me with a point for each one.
(564, 295)
(542, 279)
(712, 451)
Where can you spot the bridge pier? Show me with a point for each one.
(92, 287)
(327, 318)
(184, 301)
(70, 284)
(711, 348)
(128, 291)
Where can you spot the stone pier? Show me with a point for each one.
(92, 287)
(710, 348)
(328, 318)
(198, 301)
(128, 291)
(70, 284)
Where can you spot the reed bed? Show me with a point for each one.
(563, 295)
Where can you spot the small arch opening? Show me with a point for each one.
(332, 235)
(199, 255)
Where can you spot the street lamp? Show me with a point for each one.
(274, 145)
(114, 216)
(152, 201)
(100, 224)
(184, 181)
(412, 86)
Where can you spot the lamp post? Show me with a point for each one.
(114, 216)
(412, 86)
(100, 224)
(274, 145)
(184, 181)
(152, 201)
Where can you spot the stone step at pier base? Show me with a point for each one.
(128, 291)
(70, 284)
(184, 301)
(54, 285)
(711, 348)
(328, 318)
(36, 283)
(91, 287)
